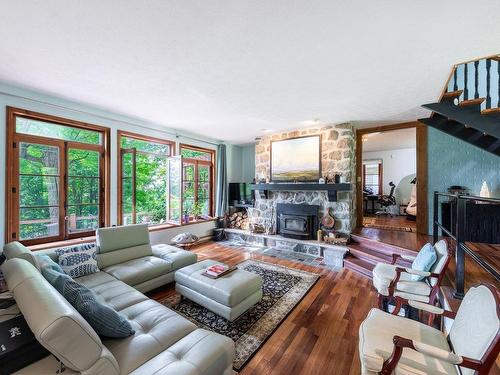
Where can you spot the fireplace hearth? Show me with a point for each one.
(299, 221)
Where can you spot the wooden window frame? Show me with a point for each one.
(380, 177)
(197, 162)
(12, 172)
(140, 137)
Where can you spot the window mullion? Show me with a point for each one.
(63, 189)
(134, 185)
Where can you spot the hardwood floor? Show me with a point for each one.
(320, 336)
(386, 222)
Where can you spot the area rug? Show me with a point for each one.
(283, 289)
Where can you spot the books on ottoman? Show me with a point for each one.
(217, 270)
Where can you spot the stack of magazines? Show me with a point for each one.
(218, 270)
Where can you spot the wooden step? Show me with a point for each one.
(452, 94)
(490, 111)
(382, 247)
(368, 255)
(477, 101)
(359, 266)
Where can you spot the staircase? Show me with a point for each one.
(365, 253)
(469, 109)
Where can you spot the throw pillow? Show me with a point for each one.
(103, 319)
(424, 260)
(183, 238)
(78, 260)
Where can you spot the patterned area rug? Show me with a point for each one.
(283, 289)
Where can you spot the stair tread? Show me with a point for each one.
(359, 266)
(471, 101)
(361, 251)
(382, 247)
(490, 111)
(453, 94)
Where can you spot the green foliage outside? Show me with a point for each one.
(39, 175)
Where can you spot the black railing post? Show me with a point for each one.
(476, 79)
(488, 83)
(459, 251)
(435, 229)
(455, 83)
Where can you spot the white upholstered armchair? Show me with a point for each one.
(394, 282)
(390, 344)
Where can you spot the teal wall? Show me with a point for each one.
(248, 162)
(455, 162)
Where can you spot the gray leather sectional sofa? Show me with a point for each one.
(164, 342)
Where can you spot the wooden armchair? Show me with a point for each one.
(394, 282)
(392, 344)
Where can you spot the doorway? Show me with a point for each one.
(392, 177)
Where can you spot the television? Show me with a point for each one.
(240, 194)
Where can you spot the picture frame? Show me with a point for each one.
(296, 159)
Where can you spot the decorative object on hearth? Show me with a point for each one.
(322, 180)
(335, 240)
(319, 235)
(336, 178)
(296, 159)
(283, 289)
(328, 221)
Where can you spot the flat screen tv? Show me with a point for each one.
(240, 193)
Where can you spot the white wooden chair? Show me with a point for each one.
(394, 282)
(390, 344)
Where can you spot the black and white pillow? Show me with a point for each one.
(78, 260)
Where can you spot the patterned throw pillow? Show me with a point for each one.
(78, 260)
(104, 319)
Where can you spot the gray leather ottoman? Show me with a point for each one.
(228, 296)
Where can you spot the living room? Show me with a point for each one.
(249, 187)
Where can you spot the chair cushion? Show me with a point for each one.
(102, 318)
(375, 344)
(475, 325)
(111, 291)
(178, 258)
(424, 260)
(78, 260)
(121, 244)
(156, 329)
(200, 352)
(384, 273)
(136, 271)
(441, 248)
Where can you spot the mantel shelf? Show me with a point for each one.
(331, 189)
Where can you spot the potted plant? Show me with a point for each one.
(196, 210)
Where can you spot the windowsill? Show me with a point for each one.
(82, 240)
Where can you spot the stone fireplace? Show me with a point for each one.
(337, 157)
(299, 221)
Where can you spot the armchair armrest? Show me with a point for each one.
(412, 271)
(406, 257)
(431, 309)
(429, 350)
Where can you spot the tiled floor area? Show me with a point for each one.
(277, 253)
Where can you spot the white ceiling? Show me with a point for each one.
(390, 140)
(231, 68)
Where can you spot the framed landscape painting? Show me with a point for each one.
(296, 159)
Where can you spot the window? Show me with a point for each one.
(372, 175)
(197, 180)
(143, 179)
(57, 178)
